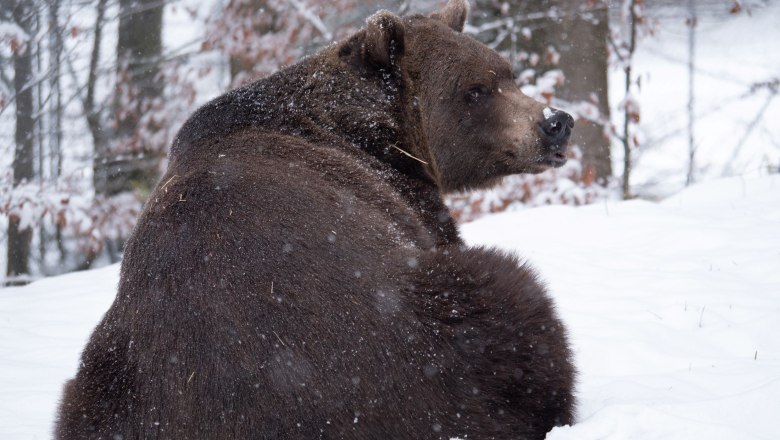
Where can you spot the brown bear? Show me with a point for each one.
(295, 274)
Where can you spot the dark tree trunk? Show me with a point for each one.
(133, 165)
(582, 44)
(123, 161)
(241, 65)
(18, 239)
(97, 126)
(56, 108)
(626, 121)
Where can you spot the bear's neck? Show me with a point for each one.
(324, 105)
(379, 120)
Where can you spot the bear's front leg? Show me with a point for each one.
(503, 353)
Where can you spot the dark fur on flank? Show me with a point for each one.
(295, 273)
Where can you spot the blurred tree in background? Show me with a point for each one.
(126, 157)
(21, 14)
(259, 36)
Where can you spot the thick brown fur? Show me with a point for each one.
(295, 273)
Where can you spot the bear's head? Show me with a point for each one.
(477, 126)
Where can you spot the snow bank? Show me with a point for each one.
(44, 327)
(673, 309)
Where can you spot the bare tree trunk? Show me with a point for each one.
(97, 127)
(55, 108)
(627, 113)
(239, 66)
(581, 40)
(692, 22)
(139, 50)
(123, 162)
(18, 239)
(40, 121)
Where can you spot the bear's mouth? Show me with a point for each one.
(555, 159)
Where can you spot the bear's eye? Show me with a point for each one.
(475, 93)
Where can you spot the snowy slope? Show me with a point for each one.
(43, 328)
(673, 310)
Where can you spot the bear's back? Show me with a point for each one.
(254, 267)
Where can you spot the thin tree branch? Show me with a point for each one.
(727, 170)
(627, 110)
(312, 18)
(93, 117)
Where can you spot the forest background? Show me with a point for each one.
(665, 93)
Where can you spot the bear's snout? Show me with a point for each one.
(555, 131)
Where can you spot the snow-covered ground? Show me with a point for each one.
(673, 310)
(43, 328)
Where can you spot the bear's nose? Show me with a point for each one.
(556, 129)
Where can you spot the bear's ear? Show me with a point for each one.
(454, 14)
(384, 43)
